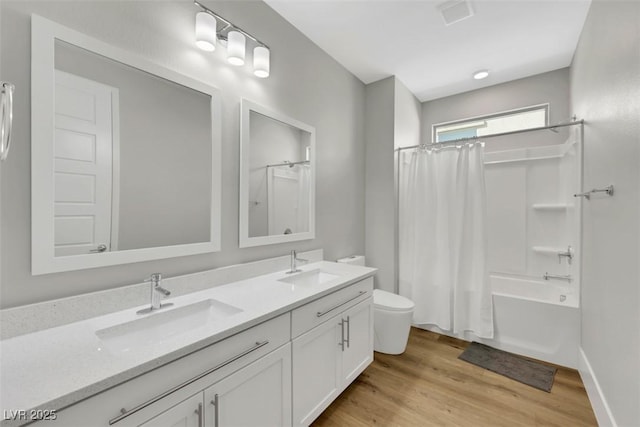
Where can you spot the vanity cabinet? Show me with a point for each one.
(358, 349)
(328, 357)
(169, 393)
(257, 395)
(282, 372)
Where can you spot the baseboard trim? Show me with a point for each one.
(596, 397)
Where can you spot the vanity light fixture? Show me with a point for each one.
(235, 47)
(206, 31)
(236, 40)
(261, 62)
(482, 74)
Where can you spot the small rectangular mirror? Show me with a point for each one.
(277, 177)
(125, 156)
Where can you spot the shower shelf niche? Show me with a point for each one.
(550, 206)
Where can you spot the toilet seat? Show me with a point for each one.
(383, 300)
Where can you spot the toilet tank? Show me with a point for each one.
(353, 259)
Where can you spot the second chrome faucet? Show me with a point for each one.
(157, 293)
(294, 262)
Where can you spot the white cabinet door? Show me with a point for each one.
(258, 395)
(328, 358)
(316, 371)
(358, 349)
(187, 413)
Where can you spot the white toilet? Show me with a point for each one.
(391, 322)
(391, 317)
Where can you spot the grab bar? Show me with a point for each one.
(587, 194)
(548, 276)
(6, 91)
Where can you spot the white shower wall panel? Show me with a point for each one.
(517, 229)
(507, 217)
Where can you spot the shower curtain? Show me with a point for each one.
(442, 238)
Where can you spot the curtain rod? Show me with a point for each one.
(492, 135)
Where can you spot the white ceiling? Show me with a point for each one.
(375, 39)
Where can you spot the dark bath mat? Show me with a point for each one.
(515, 367)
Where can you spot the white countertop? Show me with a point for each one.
(57, 367)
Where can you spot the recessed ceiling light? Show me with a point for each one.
(482, 74)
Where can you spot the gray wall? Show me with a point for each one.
(407, 116)
(551, 88)
(605, 91)
(379, 191)
(305, 83)
(392, 119)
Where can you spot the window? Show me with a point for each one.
(524, 118)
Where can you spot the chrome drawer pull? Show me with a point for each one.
(199, 412)
(215, 403)
(348, 322)
(124, 413)
(322, 313)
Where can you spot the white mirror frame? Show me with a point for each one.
(246, 108)
(43, 36)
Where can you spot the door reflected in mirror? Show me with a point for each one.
(277, 178)
(279, 181)
(132, 154)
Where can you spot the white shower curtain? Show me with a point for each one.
(443, 240)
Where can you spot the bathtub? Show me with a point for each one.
(534, 318)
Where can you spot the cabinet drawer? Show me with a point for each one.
(321, 310)
(168, 385)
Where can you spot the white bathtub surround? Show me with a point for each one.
(57, 367)
(532, 218)
(35, 317)
(536, 318)
(443, 242)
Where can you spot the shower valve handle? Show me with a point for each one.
(568, 254)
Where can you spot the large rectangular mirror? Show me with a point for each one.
(125, 156)
(277, 177)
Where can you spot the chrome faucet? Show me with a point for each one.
(157, 292)
(294, 261)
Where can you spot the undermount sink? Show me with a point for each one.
(309, 278)
(161, 326)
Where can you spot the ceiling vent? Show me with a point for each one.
(455, 11)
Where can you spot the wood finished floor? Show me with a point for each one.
(429, 386)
